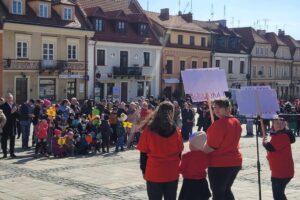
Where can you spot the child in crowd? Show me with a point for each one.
(57, 149)
(279, 155)
(106, 132)
(193, 169)
(69, 146)
(41, 135)
(120, 132)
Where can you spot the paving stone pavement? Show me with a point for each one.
(117, 176)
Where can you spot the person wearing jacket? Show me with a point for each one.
(2, 122)
(25, 114)
(279, 155)
(161, 145)
(10, 111)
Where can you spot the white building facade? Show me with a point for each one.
(236, 67)
(123, 71)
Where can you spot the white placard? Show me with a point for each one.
(257, 100)
(202, 82)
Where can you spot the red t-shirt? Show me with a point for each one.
(281, 161)
(193, 165)
(163, 155)
(224, 136)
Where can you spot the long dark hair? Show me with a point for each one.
(161, 119)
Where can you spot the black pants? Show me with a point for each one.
(105, 143)
(4, 139)
(156, 191)
(221, 179)
(41, 146)
(194, 190)
(278, 187)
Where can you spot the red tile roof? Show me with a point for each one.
(112, 10)
(291, 42)
(128, 6)
(176, 23)
(31, 17)
(250, 37)
(274, 41)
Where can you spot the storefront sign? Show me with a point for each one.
(76, 76)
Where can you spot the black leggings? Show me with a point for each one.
(221, 179)
(278, 187)
(156, 191)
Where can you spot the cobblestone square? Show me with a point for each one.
(117, 176)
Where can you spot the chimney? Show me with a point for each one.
(261, 32)
(222, 22)
(187, 17)
(164, 14)
(281, 33)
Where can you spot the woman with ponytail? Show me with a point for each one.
(161, 146)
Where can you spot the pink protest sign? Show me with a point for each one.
(202, 84)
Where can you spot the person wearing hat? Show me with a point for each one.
(193, 169)
(279, 155)
(106, 132)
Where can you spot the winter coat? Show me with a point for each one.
(2, 121)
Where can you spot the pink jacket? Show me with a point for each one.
(42, 130)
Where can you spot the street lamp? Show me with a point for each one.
(291, 86)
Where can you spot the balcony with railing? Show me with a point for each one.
(42, 65)
(127, 71)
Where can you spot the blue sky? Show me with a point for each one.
(283, 14)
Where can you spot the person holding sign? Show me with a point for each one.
(160, 145)
(222, 146)
(280, 157)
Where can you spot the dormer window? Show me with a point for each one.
(99, 25)
(143, 29)
(67, 13)
(43, 12)
(17, 7)
(120, 27)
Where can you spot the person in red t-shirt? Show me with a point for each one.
(161, 145)
(193, 169)
(280, 157)
(222, 146)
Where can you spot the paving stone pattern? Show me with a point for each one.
(117, 176)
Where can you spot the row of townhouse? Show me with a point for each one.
(99, 49)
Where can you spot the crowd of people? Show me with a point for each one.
(158, 129)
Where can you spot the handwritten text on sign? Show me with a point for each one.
(204, 83)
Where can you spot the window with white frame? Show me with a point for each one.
(43, 11)
(67, 13)
(72, 52)
(22, 50)
(254, 71)
(17, 7)
(48, 51)
(270, 71)
(242, 66)
(99, 25)
(230, 63)
(120, 27)
(266, 51)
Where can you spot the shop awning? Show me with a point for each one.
(171, 80)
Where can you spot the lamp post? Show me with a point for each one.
(291, 86)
